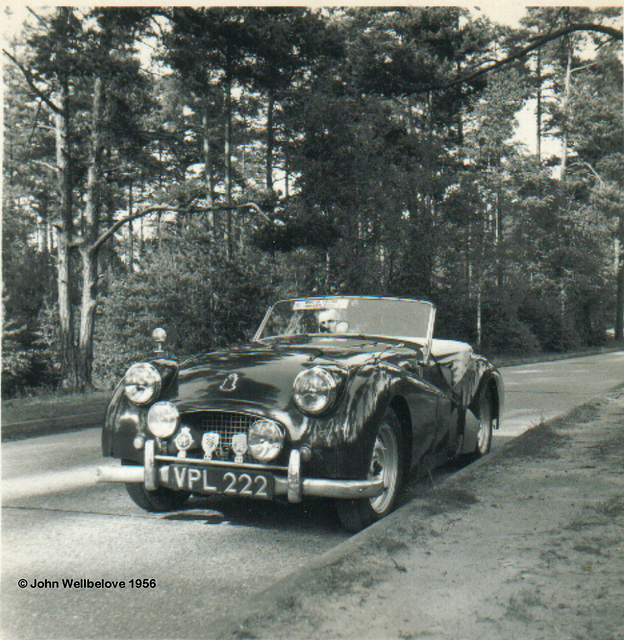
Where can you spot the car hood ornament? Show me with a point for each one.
(229, 384)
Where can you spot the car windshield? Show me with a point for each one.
(387, 317)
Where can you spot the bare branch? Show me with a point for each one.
(246, 205)
(166, 207)
(535, 44)
(41, 20)
(591, 169)
(47, 165)
(30, 79)
(120, 223)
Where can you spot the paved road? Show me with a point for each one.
(537, 392)
(56, 523)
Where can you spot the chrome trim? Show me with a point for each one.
(344, 489)
(430, 328)
(201, 462)
(295, 486)
(128, 473)
(258, 333)
(291, 485)
(120, 474)
(225, 408)
(151, 471)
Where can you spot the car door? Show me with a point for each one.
(449, 407)
(430, 409)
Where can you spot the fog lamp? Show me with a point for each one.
(162, 419)
(265, 439)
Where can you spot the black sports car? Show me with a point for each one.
(337, 396)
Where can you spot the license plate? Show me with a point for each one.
(249, 484)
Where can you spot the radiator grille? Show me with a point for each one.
(226, 424)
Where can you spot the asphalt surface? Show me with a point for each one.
(210, 561)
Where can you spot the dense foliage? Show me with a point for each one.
(184, 167)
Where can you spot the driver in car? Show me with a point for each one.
(327, 319)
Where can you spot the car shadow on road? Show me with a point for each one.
(311, 515)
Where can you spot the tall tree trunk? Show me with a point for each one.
(270, 134)
(539, 108)
(498, 232)
(88, 254)
(208, 170)
(87, 318)
(619, 303)
(566, 103)
(228, 163)
(64, 239)
(130, 230)
(286, 172)
(479, 325)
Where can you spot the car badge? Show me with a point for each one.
(210, 443)
(184, 441)
(229, 384)
(239, 446)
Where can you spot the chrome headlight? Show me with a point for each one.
(314, 390)
(265, 440)
(163, 419)
(142, 383)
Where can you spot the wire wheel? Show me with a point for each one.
(484, 435)
(385, 463)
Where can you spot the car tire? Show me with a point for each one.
(486, 425)
(387, 458)
(161, 500)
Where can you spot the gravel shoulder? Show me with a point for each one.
(526, 543)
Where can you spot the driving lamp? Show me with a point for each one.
(265, 439)
(162, 419)
(142, 383)
(314, 390)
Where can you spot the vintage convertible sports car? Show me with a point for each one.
(336, 396)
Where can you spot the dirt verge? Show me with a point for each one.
(525, 544)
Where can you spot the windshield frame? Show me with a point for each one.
(430, 326)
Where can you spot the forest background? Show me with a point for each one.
(185, 167)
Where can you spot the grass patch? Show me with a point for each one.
(540, 442)
(448, 499)
(613, 507)
(519, 607)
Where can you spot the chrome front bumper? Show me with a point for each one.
(155, 473)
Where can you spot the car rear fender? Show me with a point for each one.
(491, 385)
